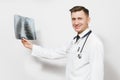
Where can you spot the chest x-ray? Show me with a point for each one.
(24, 27)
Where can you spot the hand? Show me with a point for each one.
(27, 43)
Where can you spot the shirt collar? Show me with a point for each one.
(84, 32)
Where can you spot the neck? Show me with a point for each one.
(82, 31)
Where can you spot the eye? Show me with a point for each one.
(73, 19)
(80, 18)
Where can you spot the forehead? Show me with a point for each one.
(78, 14)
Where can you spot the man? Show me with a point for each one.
(84, 53)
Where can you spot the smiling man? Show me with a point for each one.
(84, 53)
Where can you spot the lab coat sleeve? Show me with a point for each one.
(97, 62)
(39, 51)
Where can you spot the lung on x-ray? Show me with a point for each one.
(24, 27)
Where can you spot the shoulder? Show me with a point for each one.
(95, 40)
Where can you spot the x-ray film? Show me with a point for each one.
(24, 27)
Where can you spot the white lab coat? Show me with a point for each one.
(91, 64)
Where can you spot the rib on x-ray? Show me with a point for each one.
(24, 28)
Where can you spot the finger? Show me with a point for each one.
(25, 40)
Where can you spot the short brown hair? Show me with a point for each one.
(80, 8)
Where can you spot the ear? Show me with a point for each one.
(89, 19)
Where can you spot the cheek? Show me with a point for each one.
(85, 22)
(73, 23)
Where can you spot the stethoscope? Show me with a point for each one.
(80, 50)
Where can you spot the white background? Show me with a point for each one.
(53, 26)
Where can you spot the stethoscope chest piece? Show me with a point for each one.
(79, 56)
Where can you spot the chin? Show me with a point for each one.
(77, 30)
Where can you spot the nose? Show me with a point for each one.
(76, 22)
